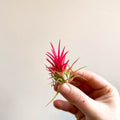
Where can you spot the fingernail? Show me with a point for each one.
(64, 88)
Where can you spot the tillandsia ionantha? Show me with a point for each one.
(59, 69)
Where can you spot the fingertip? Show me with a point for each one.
(56, 87)
(57, 104)
(65, 106)
(64, 88)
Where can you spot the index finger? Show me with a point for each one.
(94, 80)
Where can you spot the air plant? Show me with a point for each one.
(59, 70)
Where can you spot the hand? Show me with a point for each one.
(91, 98)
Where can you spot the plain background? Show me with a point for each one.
(90, 30)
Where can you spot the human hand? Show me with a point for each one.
(91, 98)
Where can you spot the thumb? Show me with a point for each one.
(78, 98)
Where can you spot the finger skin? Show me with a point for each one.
(55, 87)
(94, 98)
(68, 107)
(94, 80)
(65, 106)
(77, 97)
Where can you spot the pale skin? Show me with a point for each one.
(91, 98)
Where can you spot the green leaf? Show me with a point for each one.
(76, 71)
(53, 98)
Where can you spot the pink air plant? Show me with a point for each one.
(57, 61)
(59, 70)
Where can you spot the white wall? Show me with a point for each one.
(90, 29)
